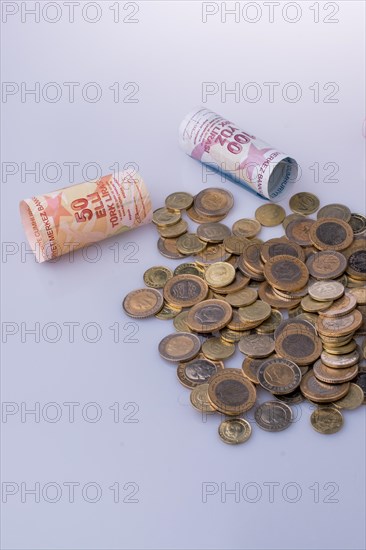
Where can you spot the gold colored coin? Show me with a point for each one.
(197, 371)
(142, 303)
(234, 431)
(256, 240)
(235, 245)
(352, 400)
(164, 216)
(247, 271)
(199, 218)
(185, 290)
(157, 276)
(334, 349)
(340, 349)
(309, 251)
(331, 234)
(269, 325)
(359, 294)
(354, 283)
(326, 420)
(217, 349)
(189, 244)
(212, 253)
(189, 269)
(168, 312)
(179, 200)
(338, 211)
(213, 201)
(298, 231)
(219, 274)
(310, 317)
(294, 294)
(168, 248)
(244, 297)
(239, 283)
(257, 312)
(213, 232)
(363, 348)
(209, 316)
(304, 203)
(313, 306)
(237, 323)
(290, 218)
(246, 228)
(250, 367)
(361, 331)
(199, 399)
(267, 295)
(230, 392)
(320, 392)
(232, 336)
(325, 291)
(180, 322)
(251, 258)
(344, 305)
(334, 376)
(286, 273)
(270, 215)
(173, 231)
(336, 340)
(179, 347)
(339, 326)
(279, 376)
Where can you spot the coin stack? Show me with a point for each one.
(294, 306)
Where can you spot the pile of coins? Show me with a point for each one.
(293, 306)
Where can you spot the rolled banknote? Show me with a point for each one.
(76, 216)
(243, 158)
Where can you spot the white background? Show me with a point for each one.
(170, 452)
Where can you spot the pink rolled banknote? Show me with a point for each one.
(243, 158)
(82, 214)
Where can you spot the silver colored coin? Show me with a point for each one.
(340, 361)
(326, 290)
(273, 416)
(256, 345)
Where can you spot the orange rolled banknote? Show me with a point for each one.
(76, 216)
